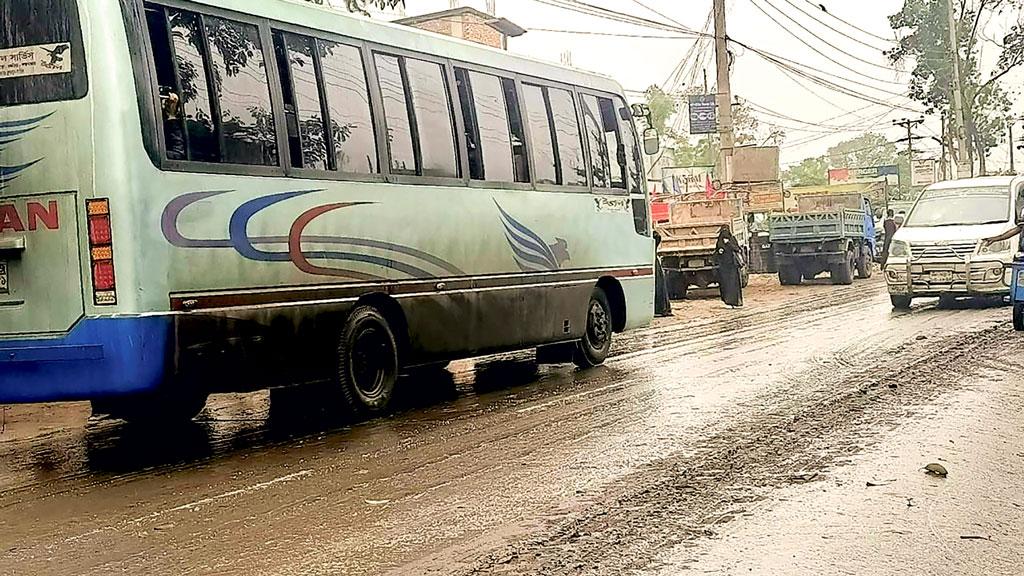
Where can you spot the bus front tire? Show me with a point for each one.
(592, 350)
(367, 366)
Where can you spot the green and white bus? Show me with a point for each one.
(229, 195)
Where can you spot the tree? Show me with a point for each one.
(923, 33)
(688, 151)
(360, 5)
(869, 149)
(809, 172)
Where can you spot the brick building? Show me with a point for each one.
(469, 24)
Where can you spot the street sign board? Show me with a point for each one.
(923, 173)
(703, 114)
(889, 174)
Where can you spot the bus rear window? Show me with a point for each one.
(41, 54)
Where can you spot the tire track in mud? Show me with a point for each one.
(827, 414)
(652, 344)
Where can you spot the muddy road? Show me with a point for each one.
(784, 438)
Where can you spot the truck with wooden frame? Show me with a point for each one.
(828, 233)
(688, 240)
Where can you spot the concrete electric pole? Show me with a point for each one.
(909, 125)
(725, 124)
(964, 165)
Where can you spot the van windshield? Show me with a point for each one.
(41, 54)
(962, 207)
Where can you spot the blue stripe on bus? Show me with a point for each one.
(238, 229)
(26, 122)
(100, 357)
(6, 172)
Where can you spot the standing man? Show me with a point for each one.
(890, 227)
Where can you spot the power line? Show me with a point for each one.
(837, 18)
(766, 54)
(827, 83)
(832, 28)
(811, 46)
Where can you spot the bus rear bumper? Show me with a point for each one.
(99, 358)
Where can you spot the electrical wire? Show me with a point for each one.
(811, 46)
(834, 29)
(857, 28)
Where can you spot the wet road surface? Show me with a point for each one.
(721, 441)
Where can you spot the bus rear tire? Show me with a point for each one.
(171, 405)
(593, 349)
(367, 365)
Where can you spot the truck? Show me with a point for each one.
(687, 249)
(832, 233)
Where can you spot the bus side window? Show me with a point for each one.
(351, 117)
(494, 127)
(632, 159)
(432, 109)
(600, 168)
(170, 93)
(419, 117)
(248, 132)
(607, 154)
(546, 164)
(569, 141)
(303, 109)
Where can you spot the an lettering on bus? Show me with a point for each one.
(36, 215)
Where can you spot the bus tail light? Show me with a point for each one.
(101, 252)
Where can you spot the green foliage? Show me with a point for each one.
(809, 172)
(923, 33)
(869, 149)
(692, 151)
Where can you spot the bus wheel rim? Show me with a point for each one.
(371, 353)
(597, 325)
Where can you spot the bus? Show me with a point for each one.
(232, 195)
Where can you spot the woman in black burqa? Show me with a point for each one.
(730, 262)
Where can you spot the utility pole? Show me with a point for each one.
(725, 126)
(944, 145)
(909, 125)
(1012, 146)
(964, 165)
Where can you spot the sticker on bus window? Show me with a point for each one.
(35, 60)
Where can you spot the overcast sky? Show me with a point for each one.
(640, 62)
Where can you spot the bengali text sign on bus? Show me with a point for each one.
(35, 60)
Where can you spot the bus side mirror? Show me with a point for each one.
(652, 142)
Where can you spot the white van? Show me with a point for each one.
(939, 251)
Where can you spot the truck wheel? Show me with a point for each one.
(843, 273)
(592, 350)
(1018, 316)
(677, 285)
(864, 265)
(367, 364)
(900, 302)
(789, 275)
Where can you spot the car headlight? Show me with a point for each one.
(995, 247)
(899, 249)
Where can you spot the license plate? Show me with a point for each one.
(5, 285)
(941, 277)
(696, 263)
